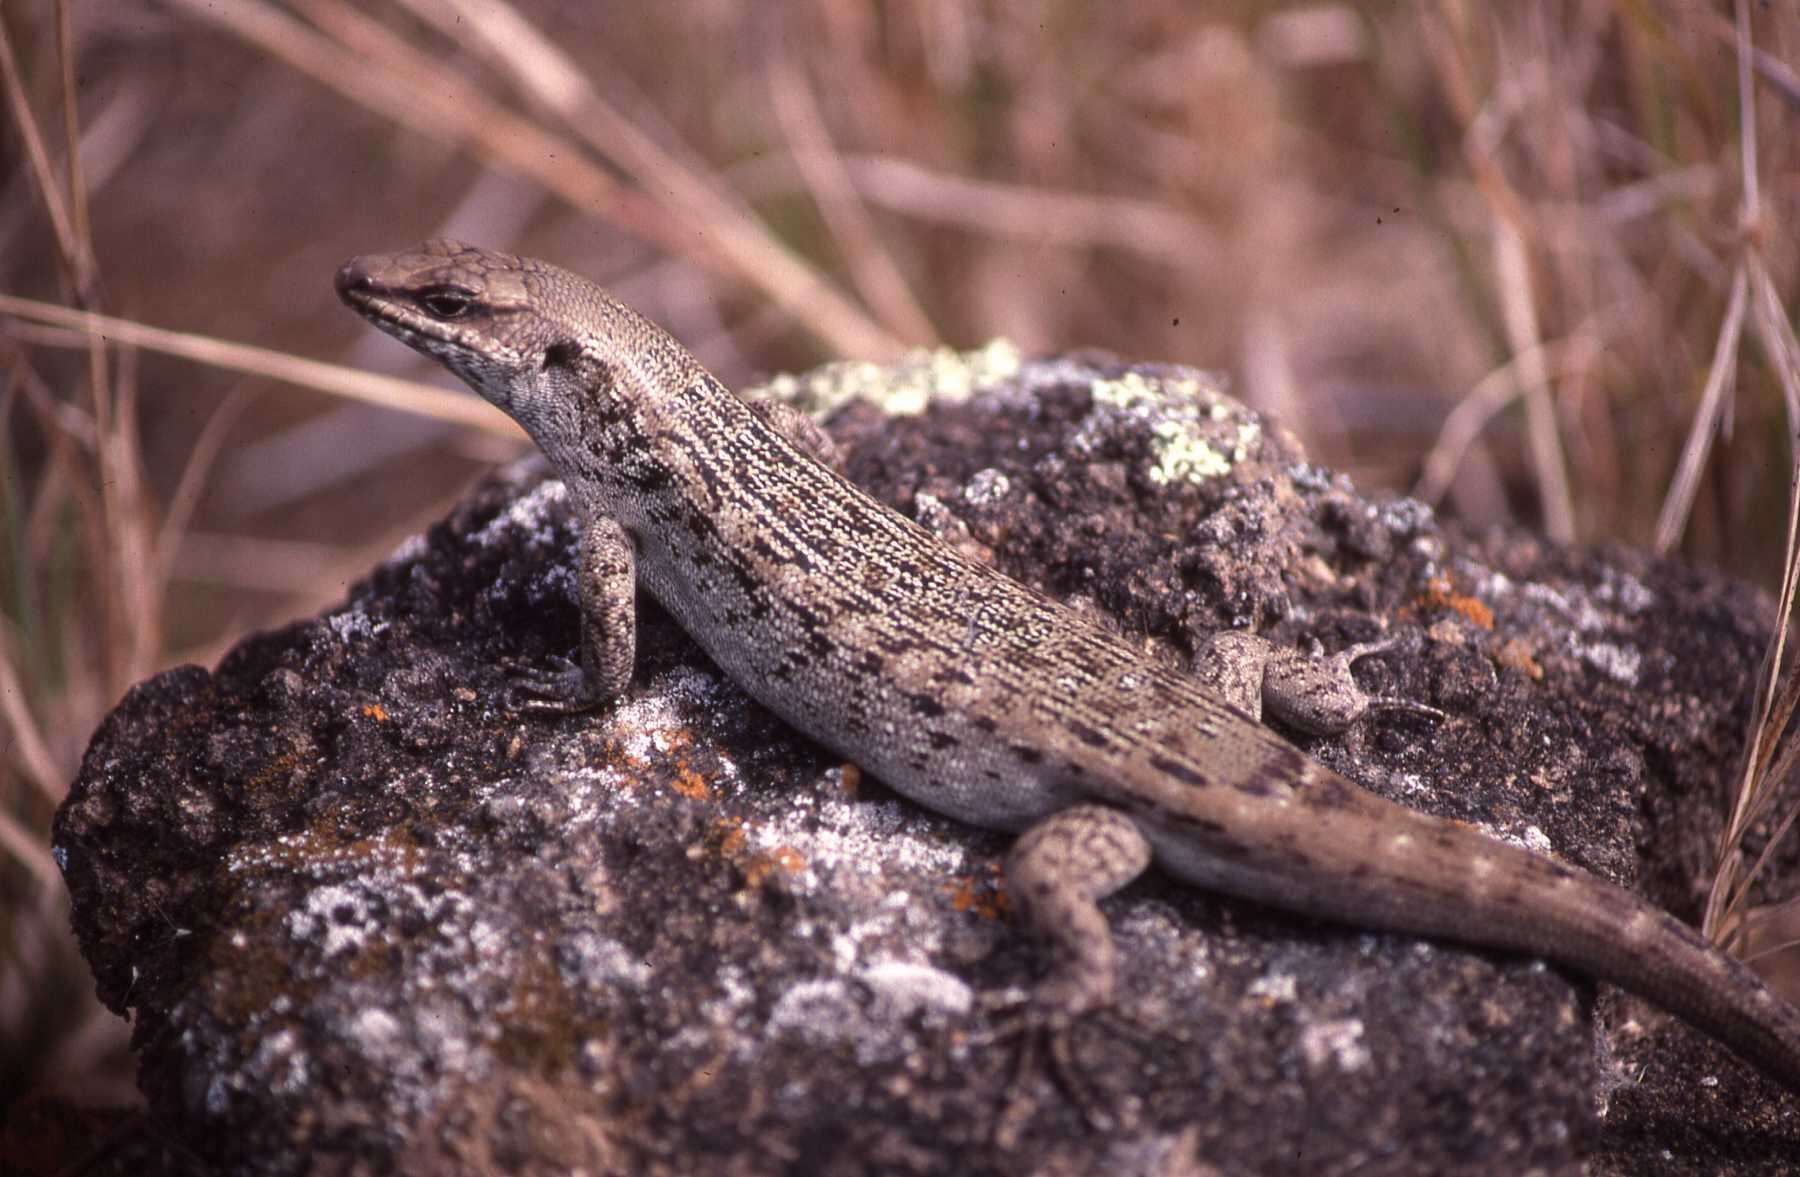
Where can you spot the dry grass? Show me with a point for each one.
(1513, 255)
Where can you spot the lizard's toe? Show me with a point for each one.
(557, 688)
(1046, 1058)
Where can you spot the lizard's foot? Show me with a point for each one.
(1343, 660)
(1045, 1035)
(560, 687)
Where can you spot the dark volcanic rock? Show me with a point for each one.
(369, 921)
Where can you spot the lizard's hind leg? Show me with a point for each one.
(1057, 873)
(799, 428)
(1318, 696)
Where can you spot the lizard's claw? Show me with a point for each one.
(558, 687)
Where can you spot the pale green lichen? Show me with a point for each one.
(1132, 391)
(1177, 410)
(1183, 456)
(902, 389)
(1197, 432)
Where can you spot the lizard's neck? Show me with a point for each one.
(630, 455)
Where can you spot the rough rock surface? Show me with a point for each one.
(366, 920)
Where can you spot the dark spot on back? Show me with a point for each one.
(926, 706)
(651, 477)
(1092, 737)
(1179, 771)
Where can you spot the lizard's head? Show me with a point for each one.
(489, 317)
(582, 372)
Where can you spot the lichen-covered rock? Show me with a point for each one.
(367, 920)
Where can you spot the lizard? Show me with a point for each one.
(977, 696)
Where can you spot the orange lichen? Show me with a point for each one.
(758, 867)
(689, 783)
(1517, 655)
(982, 897)
(729, 835)
(1441, 594)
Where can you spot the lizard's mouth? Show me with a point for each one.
(360, 291)
(363, 293)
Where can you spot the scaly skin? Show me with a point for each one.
(977, 696)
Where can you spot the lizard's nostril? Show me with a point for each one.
(351, 277)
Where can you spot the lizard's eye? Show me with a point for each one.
(446, 302)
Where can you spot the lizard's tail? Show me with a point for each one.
(1514, 899)
(1336, 850)
(1651, 953)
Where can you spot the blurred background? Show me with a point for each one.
(1533, 262)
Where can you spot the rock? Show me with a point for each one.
(368, 920)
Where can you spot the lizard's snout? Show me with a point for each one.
(353, 279)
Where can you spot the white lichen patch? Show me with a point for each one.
(350, 625)
(337, 916)
(529, 515)
(1493, 585)
(902, 988)
(831, 1011)
(986, 487)
(1617, 662)
(1574, 608)
(377, 1030)
(649, 726)
(1537, 841)
(821, 1011)
(1631, 595)
(893, 932)
(869, 838)
(601, 963)
(285, 1063)
(1275, 989)
(904, 388)
(1338, 1041)
(1412, 784)
(408, 550)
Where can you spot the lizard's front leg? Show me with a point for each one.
(606, 583)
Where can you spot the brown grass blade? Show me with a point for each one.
(347, 383)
